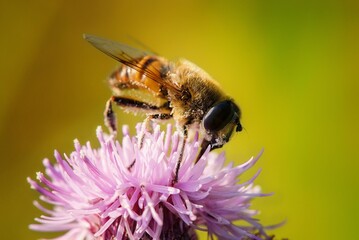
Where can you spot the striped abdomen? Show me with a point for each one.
(147, 72)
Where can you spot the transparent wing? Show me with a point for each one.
(128, 56)
(116, 50)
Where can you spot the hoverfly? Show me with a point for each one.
(163, 90)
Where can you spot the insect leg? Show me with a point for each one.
(110, 117)
(153, 112)
(148, 125)
(148, 128)
(180, 158)
(161, 116)
(135, 106)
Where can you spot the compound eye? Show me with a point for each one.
(218, 116)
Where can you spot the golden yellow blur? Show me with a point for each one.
(292, 66)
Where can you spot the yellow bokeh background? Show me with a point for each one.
(291, 65)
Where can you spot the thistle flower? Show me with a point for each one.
(122, 191)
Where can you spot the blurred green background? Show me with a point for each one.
(291, 65)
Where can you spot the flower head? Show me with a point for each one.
(122, 191)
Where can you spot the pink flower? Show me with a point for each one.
(121, 191)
